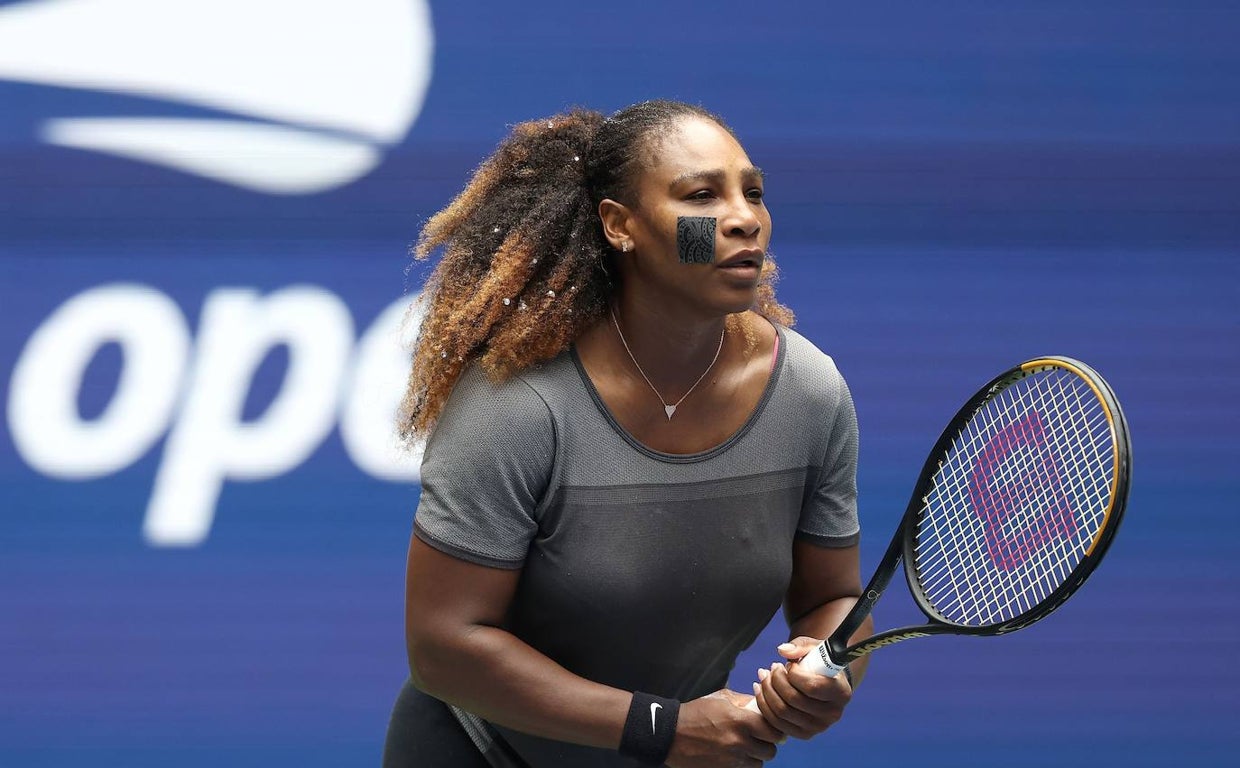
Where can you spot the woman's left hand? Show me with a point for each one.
(797, 701)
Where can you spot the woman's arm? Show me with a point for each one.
(826, 583)
(458, 652)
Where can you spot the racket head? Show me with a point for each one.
(1019, 499)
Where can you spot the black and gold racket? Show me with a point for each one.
(1015, 507)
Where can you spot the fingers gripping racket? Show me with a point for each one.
(1015, 507)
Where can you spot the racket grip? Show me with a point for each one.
(818, 661)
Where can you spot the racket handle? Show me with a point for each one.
(818, 661)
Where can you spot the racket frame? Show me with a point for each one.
(835, 652)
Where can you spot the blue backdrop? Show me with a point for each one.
(204, 216)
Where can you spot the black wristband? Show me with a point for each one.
(649, 728)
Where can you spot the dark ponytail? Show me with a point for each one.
(522, 271)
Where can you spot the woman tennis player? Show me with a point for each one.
(632, 462)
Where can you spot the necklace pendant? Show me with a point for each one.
(670, 410)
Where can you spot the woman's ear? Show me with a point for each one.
(617, 223)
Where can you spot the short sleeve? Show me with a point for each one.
(829, 517)
(486, 467)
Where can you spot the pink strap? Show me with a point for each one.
(775, 354)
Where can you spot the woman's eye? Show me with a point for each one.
(701, 194)
(755, 194)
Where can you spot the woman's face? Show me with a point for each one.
(698, 172)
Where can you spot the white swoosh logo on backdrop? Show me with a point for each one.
(328, 85)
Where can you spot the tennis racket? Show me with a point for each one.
(1015, 507)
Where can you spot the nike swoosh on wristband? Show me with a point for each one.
(653, 722)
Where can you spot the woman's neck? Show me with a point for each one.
(670, 345)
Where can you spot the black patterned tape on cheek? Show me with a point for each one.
(695, 239)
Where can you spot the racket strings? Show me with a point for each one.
(984, 504)
(975, 592)
(1017, 500)
(1028, 470)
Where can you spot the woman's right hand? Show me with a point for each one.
(716, 731)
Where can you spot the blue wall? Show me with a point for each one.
(955, 186)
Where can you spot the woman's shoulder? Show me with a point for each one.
(515, 407)
(526, 387)
(806, 355)
(809, 372)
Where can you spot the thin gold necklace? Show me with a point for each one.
(670, 410)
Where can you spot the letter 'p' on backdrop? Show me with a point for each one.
(205, 216)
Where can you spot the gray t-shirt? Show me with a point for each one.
(641, 570)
